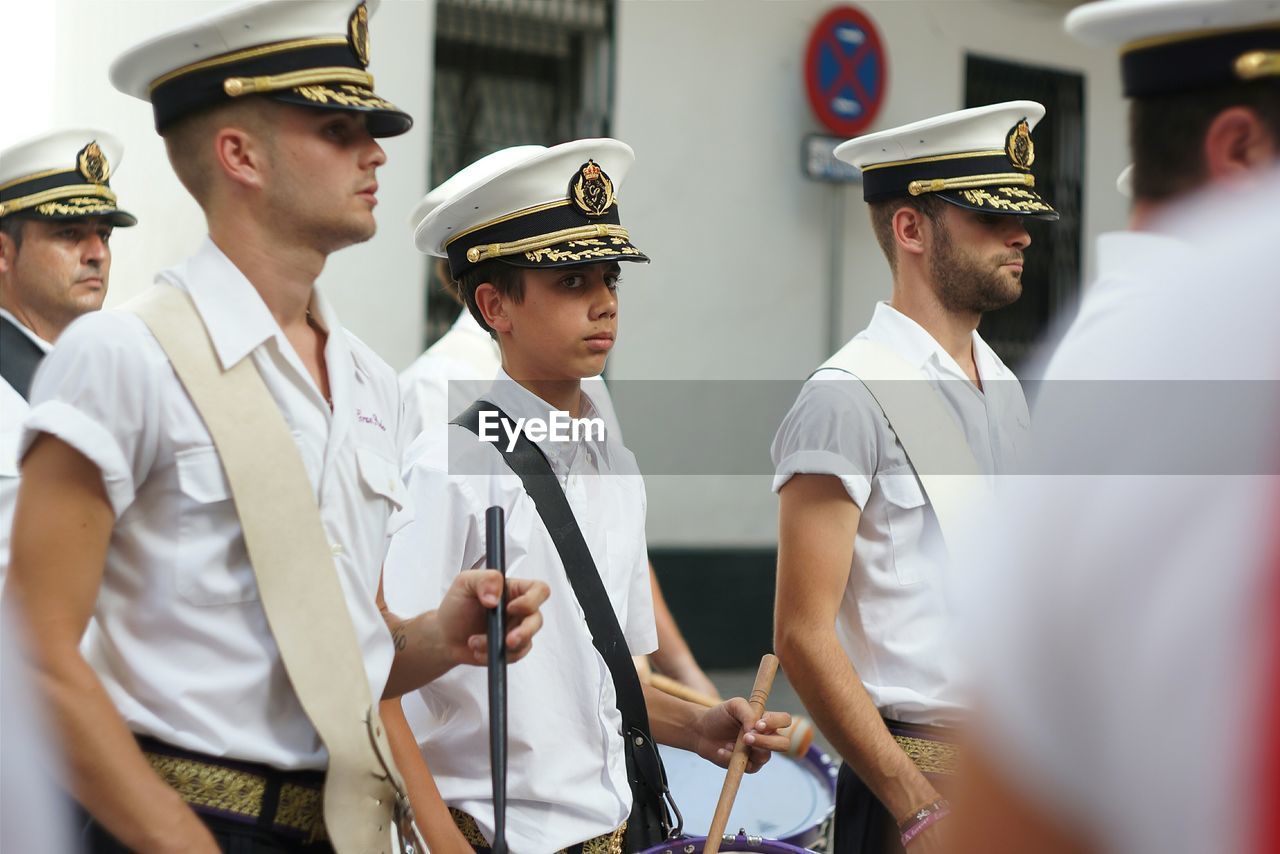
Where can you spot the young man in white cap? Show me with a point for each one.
(227, 696)
(1125, 668)
(872, 476)
(57, 212)
(459, 367)
(535, 250)
(1204, 114)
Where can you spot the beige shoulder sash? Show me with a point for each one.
(935, 445)
(297, 580)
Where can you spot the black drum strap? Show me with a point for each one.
(650, 820)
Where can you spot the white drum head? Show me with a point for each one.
(786, 799)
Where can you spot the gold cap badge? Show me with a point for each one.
(590, 190)
(1019, 147)
(93, 164)
(358, 34)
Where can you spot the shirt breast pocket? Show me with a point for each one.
(212, 564)
(905, 512)
(381, 479)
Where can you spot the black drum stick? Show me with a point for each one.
(496, 558)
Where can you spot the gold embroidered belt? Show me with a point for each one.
(933, 749)
(608, 843)
(290, 803)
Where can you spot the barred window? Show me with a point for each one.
(1051, 278)
(513, 72)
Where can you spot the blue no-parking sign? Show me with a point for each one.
(845, 71)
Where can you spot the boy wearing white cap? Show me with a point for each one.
(887, 445)
(57, 212)
(459, 367)
(535, 249)
(213, 475)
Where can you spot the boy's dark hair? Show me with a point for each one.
(507, 278)
(882, 212)
(12, 225)
(1166, 133)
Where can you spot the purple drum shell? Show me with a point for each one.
(693, 845)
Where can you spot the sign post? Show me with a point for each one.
(846, 78)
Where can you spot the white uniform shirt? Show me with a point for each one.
(182, 643)
(567, 773)
(459, 368)
(1123, 615)
(465, 356)
(895, 620)
(13, 409)
(1125, 259)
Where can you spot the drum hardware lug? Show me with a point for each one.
(689, 849)
(754, 841)
(677, 830)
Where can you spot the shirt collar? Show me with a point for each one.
(518, 402)
(35, 339)
(990, 366)
(916, 346)
(233, 311)
(905, 337)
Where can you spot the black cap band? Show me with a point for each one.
(884, 182)
(324, 73)
(1194, 62)
(43, 183)
(558, 234)
(205, 85)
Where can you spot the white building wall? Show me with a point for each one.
(376, 286)
(710, 93)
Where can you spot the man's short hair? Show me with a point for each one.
(507, 278)
(187, 139)
(1166, 133)
(12, 226)
(882, 212)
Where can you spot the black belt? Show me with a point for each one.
(606, 843)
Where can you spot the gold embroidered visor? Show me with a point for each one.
(1002, 199)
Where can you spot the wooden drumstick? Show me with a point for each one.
(738, 762)
(799, 734)
(667, 685)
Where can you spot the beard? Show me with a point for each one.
(968, 284)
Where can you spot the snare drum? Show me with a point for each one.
(791, 800)
(693, 845)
